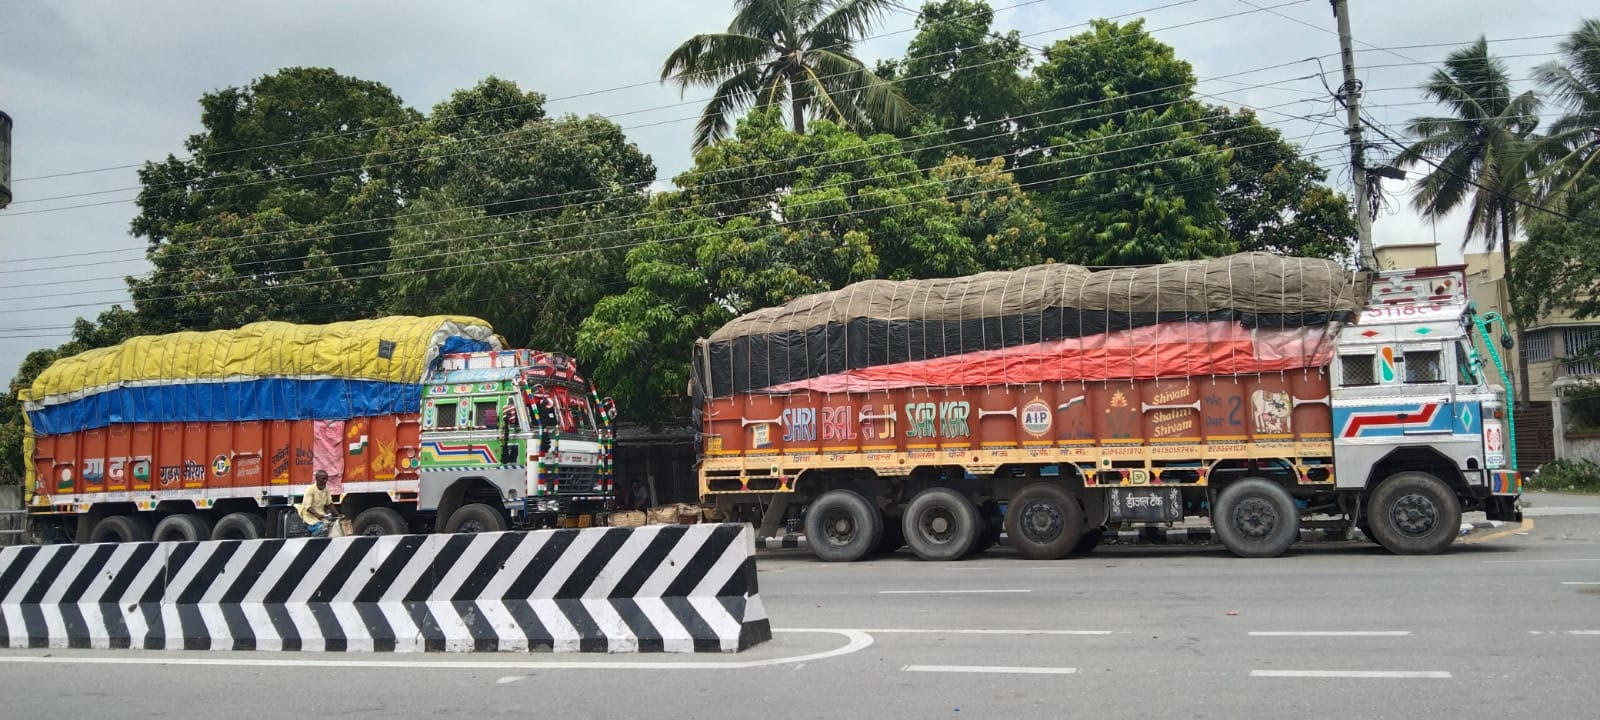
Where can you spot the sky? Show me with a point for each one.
(106, 85)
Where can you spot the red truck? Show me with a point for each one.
(1050, 403)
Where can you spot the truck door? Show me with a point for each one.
(1389, 395)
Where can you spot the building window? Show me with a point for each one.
(1423, 366)
(1582, 343)
(1356, 370)
(1537, 348)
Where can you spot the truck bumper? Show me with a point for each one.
(1502, 507)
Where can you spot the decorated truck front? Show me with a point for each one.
(1051, 403)
(215, 434)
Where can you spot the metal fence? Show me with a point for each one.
(12, 519)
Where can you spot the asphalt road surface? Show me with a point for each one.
(1503, 627)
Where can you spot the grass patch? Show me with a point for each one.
(1565, 476)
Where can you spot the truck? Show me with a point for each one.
(1047, 405)
(421, 423)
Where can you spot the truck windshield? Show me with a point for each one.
(563, 405)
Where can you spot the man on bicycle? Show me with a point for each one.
(313, 506)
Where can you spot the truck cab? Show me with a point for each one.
(1412, 398)
(519, 431)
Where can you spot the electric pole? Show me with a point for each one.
(1350, 95)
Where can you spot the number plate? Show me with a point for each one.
(1146, 504)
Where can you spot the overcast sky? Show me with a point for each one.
(99, 84)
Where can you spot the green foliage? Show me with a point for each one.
(854, 209)
(276, 193)
(1565, 475)
(1558, 268)
(1275, 200)
(798, 53)
(522, 217)
(1570, 151)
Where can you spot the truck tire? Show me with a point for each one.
(1414, 513)
(941, 524)
(476, 518)
(841, 526)
(1256, 518)
(240, 526)
(182, 528)
(380, 521)
(121, 528)
(993, 525)
(894, 537)
(1043, 522)
(1090, 540)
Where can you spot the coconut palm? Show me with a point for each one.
(797, 52)
(1572, 145)
(1477, 156)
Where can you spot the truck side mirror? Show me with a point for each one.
(1505, 339)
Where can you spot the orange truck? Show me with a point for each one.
(422, 424)
(1050, 403)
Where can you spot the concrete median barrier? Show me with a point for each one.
(667, 588)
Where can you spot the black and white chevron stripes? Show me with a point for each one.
(660, 588)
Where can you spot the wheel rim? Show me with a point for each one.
(376, 529)
(839, 527)
(1414, 515)
(470, 526)
(938, 525)
(1255, 517)
(1042, 522)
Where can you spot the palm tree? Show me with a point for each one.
(788, 51)
(1572, 145)
(1479, 155)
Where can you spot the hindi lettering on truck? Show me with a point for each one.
(1052, 403)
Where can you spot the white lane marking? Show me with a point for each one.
(507, 680)
(1556, 560)
(1331, 633)
(1384, 674)
(990, 669)
(970, 631)
(858, 641)
(1564, 632)
(949, 592)
(1581, 583)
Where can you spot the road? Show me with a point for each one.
(1508, 627)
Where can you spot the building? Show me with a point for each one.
(1546, 342)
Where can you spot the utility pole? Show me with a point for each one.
(1350, 95)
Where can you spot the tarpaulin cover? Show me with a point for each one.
(262, 371)
(889, 323)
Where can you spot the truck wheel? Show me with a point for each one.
(475, 518)
(182, 528)
(1256, 518)
(941, 524)
(841, 526)
(1043, 522)
(121, 528)
(1090, 540)
(1414, 513)
(380, 521)
(993, 525)
(239, 526)
(894, 537)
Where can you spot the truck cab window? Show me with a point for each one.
(445, 416)
(1424, 366)
(1356, 371)
(488, 413)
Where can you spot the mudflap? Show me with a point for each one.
(1502, 507)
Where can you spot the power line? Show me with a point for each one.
(779, 223)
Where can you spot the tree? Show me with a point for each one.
(1558, 268)
(794, 52)
(963, 80)
(522, 219)
(769, 215)
(1275, 200)
(1572, 145)
(1478, 155)
(275, 213)
(1119, 143)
